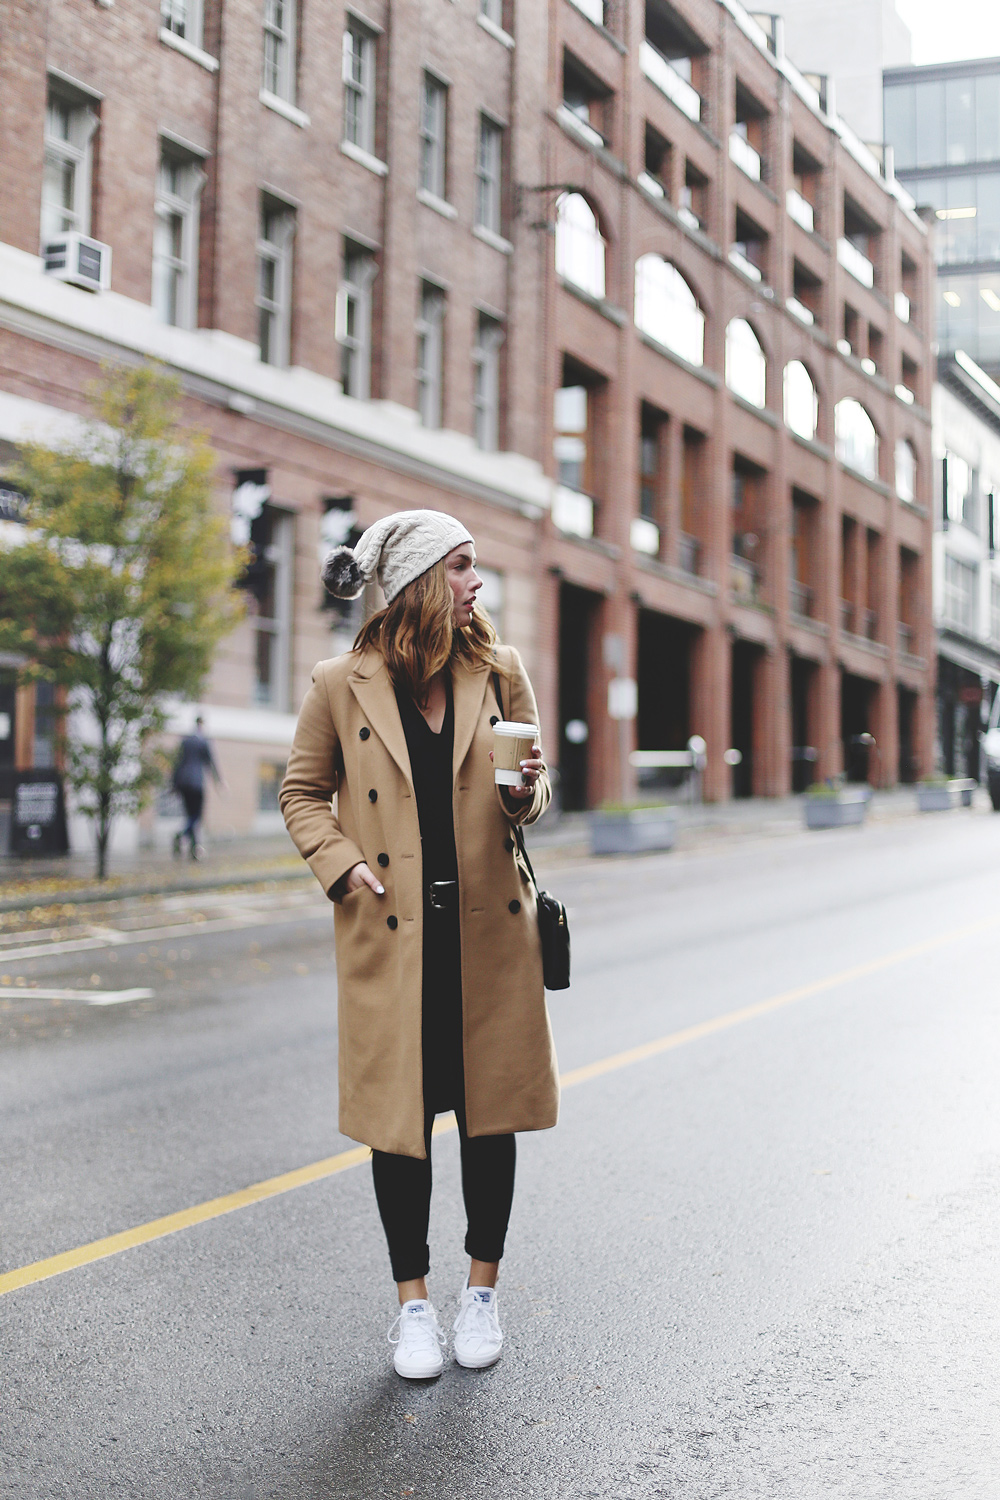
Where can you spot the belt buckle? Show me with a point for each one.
(438, 891)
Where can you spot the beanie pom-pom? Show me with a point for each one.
(341, 575)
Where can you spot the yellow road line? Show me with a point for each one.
(113, 1244)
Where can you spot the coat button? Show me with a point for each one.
(513, 906)
(383, 860)
(373, 795)
(392, 923)
(509, 845)
(364, 733)
(493, 720)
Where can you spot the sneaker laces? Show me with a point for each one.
(477, 1319)
(423, 1332)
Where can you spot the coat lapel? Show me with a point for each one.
(469, 687)
(371, 686)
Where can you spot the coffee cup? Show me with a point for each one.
(512, 743)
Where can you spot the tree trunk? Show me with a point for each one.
(103, 830)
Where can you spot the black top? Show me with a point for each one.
(433, 782)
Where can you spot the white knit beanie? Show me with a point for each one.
(396, 550)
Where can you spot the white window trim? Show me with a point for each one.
(187, 207)
(360, 289)
(494, 181)
(496, 241)
(188, 49)
(366, 88)
(79, 152)
(194, 23)
(439, 205)
(282, 107)
(380, 168)
(497, 32)
(486, 358)
(280, 252)
(440, 143)
(430, 374)
(286, 80)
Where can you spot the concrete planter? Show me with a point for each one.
(935, 798)
(638, 831)
(844, 809)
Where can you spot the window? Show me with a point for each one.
(800, 402)
(746, 366)
(354, 321)
(652, 427)
(749, 506)
(570, 447)
(269, 586)
(584, 102)
(270, 775)
(693, 210)
(359, 87)
(749, 249)
(175, 240)
(433, 136)
(183, 18)
(747, 138)
(580, 249)
(69, 127)
(906, 471)
(960, 582)
(655, 176)
(279, 49)
(856, 438)
(489, 159)
(805, 520)
(274, 282)
(492, 596)
(667, 310)
(430, 355)
(960, 486)
(486, 382)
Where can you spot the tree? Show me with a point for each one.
(122, 586)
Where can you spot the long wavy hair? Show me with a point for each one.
(417, 637)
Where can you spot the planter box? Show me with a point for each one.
(935, 798)
(844, 810)
(639, 831)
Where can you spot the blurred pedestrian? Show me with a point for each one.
(194, 757)
(440, 997)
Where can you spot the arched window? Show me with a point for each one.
(746, 366)
(667, 309)
(580, 248)
(906, 471)
(857, 440)
(801, 404)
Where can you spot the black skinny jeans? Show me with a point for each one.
(403, 1193)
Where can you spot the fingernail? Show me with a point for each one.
(380, 890)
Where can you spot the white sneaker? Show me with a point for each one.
(418, 1343)
(478, 1338)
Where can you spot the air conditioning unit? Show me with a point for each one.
(77, 259)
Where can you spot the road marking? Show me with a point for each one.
(85, 997)
(84, 1255)
(112, 937)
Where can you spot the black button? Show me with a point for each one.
(513, 906)
(509, 845)
(392, 923)
(364, 733)
(373, 795)
(383, 860)
(493, 720)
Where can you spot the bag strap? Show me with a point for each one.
(518, 835)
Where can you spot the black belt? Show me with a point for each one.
(442, 895)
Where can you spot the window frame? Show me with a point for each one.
(355, 292)
(663, 312)
(569, 245)
(283, 37)
(433, 133)
(430, 355)
(363, 87)
(186, 207)
(489, 175)
(738, 345)
(486, 349)
(184, 19)
(74, 150)
(277, 252)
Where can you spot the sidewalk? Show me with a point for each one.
(25, 883)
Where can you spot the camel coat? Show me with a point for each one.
(348, 796)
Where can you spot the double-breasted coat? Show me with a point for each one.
(348, 796)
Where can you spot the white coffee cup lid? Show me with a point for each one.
(507, 726)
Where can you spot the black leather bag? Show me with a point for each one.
(553, 924)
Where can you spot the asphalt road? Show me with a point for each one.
(758, 1261)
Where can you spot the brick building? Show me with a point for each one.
(606, 282)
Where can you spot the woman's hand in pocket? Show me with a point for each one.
(360, 875)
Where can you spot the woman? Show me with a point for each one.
(440, 997)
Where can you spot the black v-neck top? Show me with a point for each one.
(433, 781)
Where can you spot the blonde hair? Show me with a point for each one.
(417, 637)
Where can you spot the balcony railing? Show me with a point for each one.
(847, 616)
(650, 185)
(901, 303)
(580, 127)
(859, 265)
(904, 636)
(800, 599)
(689, 554)
(644, 536)
(799, 310)
(739, 260)
(572, 512)
(669, 82)
(743, 154)
(800, 210)
(592, 9)
(744, 580)
(689, 217)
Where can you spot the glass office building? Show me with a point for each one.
(943, 123)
